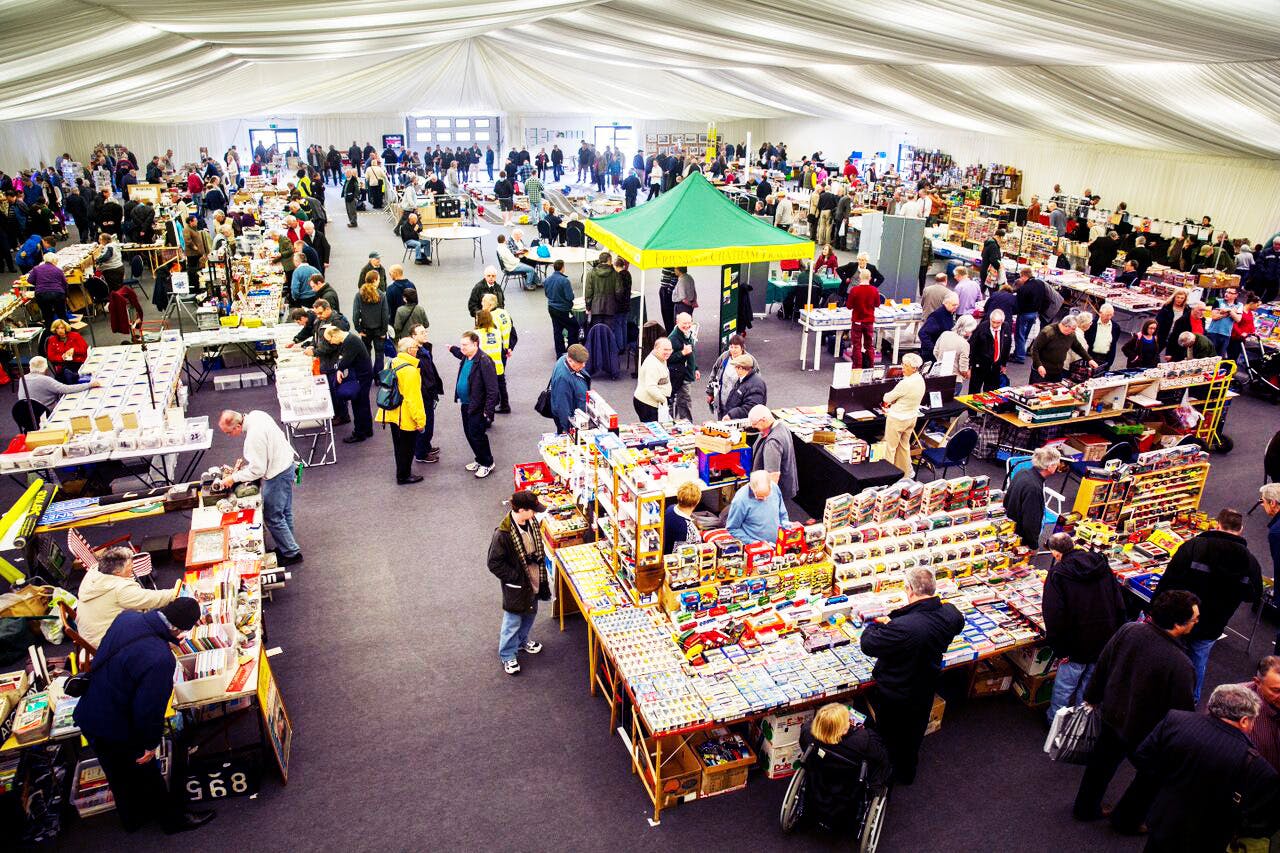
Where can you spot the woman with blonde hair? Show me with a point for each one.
(491, 345)
(370, 318)
(1172, 311)
(66, 350)
(839, 745)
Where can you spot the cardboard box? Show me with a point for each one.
(721, 778)
(1090, 447)
(681, 770)
(780, 760)
(1034, 691)
(991, 678)
(226, 382)
(783, 729)
(935, 714)
(1033, 660)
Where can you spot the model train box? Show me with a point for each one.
(717, 468)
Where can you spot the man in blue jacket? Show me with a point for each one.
(559, 293)
(122, 714)
(569, 385)
(1269, 496)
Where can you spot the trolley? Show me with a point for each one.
(1261, 365)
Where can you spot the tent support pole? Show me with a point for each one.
(644, 298)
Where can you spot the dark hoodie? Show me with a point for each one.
(1082, 606)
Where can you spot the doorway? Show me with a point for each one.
(284, 138)
(618, 137)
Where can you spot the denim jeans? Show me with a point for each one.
(1220, 342)
(514, 632)
(1069, 686)
(1198, 651)
(562, 324)
(1025, 322)
(421, 249)
(277, 506)
(529, 273)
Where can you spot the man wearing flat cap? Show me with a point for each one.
(123, 711)
(517, 560)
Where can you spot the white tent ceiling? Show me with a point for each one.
(1197, 76)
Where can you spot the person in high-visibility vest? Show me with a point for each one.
(491, 345)
(507, 335)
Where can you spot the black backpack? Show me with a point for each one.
(389, 395)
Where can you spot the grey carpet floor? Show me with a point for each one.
(408, 736)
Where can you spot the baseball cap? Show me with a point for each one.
(374, 255)
(526, 499)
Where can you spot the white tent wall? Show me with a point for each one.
(1242, 195)
(583, 127)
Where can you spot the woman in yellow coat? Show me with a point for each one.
(410, 417)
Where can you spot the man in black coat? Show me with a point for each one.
(122, 714)
(477, 392)
(1216, 565)
(631, 188)
(351, 195)
(908, 648)
(1032, 295)
(1103, 251)
(353, 373)
(1140, 255)
(516, 560)
(1024, 499)
(1083, 607)
(989, 351)
(1141, 675)
(76, 205)
(1203, 763)
(991, 255)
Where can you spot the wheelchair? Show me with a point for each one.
(865, 810)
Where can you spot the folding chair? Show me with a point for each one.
(88, 556)
(84, 650)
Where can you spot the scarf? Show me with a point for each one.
(533, 560)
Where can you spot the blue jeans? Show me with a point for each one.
(277, 511)
(618, 325)
(1069, 686)
(421, 249)
(1025, 322)
(529, 273)
(1198, 651)
(514, 632)
(1220, 342)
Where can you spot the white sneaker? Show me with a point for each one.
(511, 667)
(471, 466)
(484, 471)
(532, 647)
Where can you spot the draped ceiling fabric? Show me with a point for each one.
(1195, 78)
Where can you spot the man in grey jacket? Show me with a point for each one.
(774, 451)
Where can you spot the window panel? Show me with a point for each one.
(482, 122)
(444, 122)
(423, 122)
(482, 136)
(463, 136)
(444, 137)
(462, 122)
(422, 137)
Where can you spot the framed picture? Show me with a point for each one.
(274, 715)
(651, 137)
(206, 547)
(702, 138)
(664, 139)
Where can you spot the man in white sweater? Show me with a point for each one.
(653, 385)
(269, 457)
(111, 589)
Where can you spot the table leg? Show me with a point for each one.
(835, 349)
(804, 346)
(657, 776)
(897, 341)
(817, 350)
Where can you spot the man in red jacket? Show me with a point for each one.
(863, 300)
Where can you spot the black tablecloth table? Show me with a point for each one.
(822, 476)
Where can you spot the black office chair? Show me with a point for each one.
(575, 235)
(955, 454)
(507, 275)
(1121, 450)
(1270, 466)
(22, 415)
(544, 231)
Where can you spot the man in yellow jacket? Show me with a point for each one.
(409, 417)
(497, 339)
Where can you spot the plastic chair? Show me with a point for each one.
(135, 277)
(575, 235)
(1270, 466)
(507, 275)
(955, 454)
(1121, 450)
(544, 231)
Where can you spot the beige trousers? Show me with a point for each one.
(897, 443)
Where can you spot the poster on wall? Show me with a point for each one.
(664, 139)
(730, 293)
